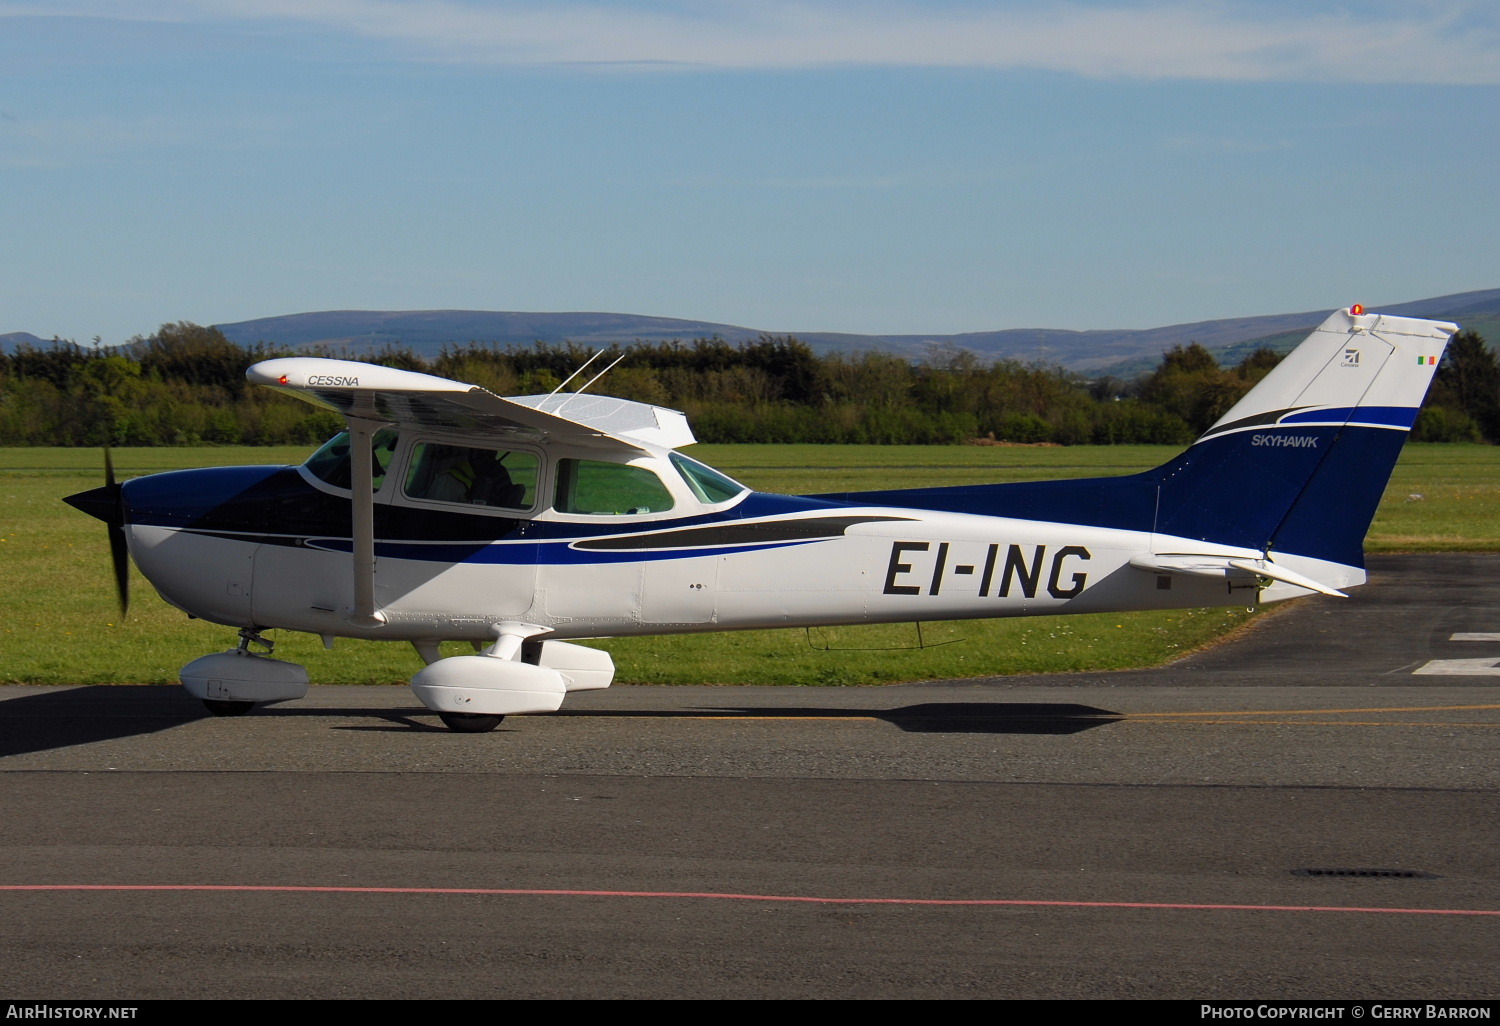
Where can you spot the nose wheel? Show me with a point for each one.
(469, 723)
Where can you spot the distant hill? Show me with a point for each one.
(1473, 311)
(10, 343)
(428, 331)
(1122, 352)
(1128, 352)
(1119, 351)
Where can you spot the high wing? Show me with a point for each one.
(388, 395)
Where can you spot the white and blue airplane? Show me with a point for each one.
(448, 513)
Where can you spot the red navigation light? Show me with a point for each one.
(1357, 309)
(282, 379)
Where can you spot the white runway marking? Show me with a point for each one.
(1462, 667)
(1465, 667)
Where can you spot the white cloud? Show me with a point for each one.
(1407, 41)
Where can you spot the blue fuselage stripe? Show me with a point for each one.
(1287, 487)
(1385, 416)
(528, 553)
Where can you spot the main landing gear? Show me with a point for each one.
(470, 694)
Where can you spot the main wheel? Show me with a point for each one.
(221, 707)
(470, 723)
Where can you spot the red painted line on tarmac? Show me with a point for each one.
(528, 892)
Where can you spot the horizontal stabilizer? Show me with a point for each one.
(1196, 565)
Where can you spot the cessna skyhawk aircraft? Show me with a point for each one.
(448, 513)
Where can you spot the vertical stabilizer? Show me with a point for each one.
(1293, 471)
(1299, 464)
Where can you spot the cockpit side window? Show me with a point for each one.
(331, 464)
(481, 477)
(707, 484)
(594, 488)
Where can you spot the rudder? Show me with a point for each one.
(1299, 464)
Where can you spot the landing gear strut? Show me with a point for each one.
(225, 707)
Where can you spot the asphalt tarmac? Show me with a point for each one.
(1305, 812)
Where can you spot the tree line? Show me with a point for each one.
(185, 385)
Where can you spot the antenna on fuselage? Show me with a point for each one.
(586, 384)
(593, 379)
(582, 367)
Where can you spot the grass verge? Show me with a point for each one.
(59, 623)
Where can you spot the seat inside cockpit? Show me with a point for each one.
(443, 472)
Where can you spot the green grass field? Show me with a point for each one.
(59, 623)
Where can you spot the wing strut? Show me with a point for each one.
(362, 502)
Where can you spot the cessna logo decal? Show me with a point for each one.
(333, 379)
(908, 573)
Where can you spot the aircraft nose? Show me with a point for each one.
(103, 502)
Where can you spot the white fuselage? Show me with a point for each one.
(924, 566)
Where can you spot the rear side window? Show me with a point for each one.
(593, 488)
(479, 477)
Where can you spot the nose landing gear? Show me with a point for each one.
(230, 683)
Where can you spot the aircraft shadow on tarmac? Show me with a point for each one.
(936, 718)
(86, 715)
(929, 718)
(91, 714)
(932, 718)
(110, 712)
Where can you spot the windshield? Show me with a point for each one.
(331, 463)
(707, 484)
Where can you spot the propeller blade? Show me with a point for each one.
(119, 551)
(107, 503)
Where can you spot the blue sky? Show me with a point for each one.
(817, 165)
